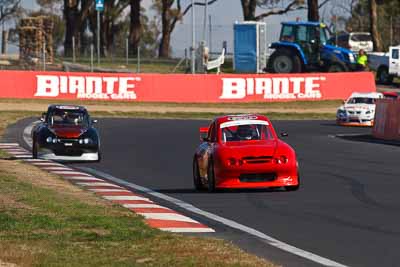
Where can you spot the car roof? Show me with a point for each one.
(238, 117)
(68, 107)
(369, 95)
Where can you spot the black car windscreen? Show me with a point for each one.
(68, 118)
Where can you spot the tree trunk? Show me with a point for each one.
(376, 39)
(135, 29)
(70, 15)
(249, 9)
(4, 42)
(163, 51)
(84, 43)
(313, 10)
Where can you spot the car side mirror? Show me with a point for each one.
(42, 118)
(284, 134)
(203, 134)
(205, 139)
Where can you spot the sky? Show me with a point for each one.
(224, 13)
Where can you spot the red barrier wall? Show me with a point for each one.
(183, 87)
(387, 120)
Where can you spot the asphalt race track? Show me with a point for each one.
(347, 209)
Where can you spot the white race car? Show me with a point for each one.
(358, 110)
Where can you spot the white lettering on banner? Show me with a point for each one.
(87, 87)
(272, 88)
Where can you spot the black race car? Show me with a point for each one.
(65, 133)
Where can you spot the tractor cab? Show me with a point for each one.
(303, 47)
(309, 36)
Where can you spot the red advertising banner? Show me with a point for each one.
(206, 88)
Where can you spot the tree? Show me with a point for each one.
(135, 29)
(249, 8)
(312, 10)
(70, 16)
(169, 17)
(376, 39)
(387, 22)
(51, 8)
(8, 8)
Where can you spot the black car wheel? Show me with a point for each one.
(34, 149)
(198, 185)
(211, 177)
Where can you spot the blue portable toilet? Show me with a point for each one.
(250, 49)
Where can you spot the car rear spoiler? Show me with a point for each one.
(203, 133)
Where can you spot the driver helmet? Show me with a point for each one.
(245, 132)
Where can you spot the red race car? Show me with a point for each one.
(244, 151)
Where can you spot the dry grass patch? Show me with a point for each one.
(44, 220)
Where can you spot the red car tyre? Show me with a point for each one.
(198, 185)
(211, 177)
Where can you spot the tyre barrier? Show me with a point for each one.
(387, 119)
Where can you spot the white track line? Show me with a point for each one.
(266, 238)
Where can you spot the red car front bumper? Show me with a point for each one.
(256, 175)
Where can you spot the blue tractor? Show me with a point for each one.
(303, 47)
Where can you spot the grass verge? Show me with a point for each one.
(46, 221)
(308, 105)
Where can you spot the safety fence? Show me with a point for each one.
(387, 120)
(187, 88)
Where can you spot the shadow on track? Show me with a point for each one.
(367, 138)
(219, 191)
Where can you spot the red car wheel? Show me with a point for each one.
(211, 177)
(198, 185)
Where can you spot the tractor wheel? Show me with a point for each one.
(383, 77)
(284, 61)
(337, 67)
